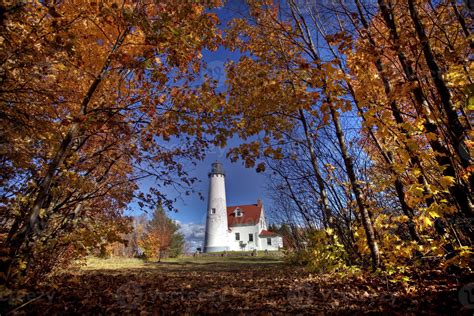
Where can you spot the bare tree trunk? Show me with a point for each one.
(414, 160)
(463, 24)
(387, 155)
(319, 179)
(314, 163)
(356, 189)
(294, 198)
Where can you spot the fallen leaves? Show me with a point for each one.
(249, 288)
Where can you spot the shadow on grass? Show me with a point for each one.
(221, 265)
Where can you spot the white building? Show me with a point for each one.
(239, 227)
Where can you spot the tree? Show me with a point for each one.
(92, 93)
(336, 103)
(296, 80)
(162, 236)
(177, 245)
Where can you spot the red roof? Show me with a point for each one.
(250, 215)
(266, 233)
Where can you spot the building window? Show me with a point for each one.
(269, 241)
(213, 211)
(250, 237)
(238, 213)
(237, 236)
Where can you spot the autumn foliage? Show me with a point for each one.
(359, 111)
(161, 237)
(92, 93)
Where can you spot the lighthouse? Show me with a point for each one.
(216, 238)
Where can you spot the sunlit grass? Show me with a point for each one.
(95, 263)
(116, 263)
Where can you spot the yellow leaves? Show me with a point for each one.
(325, 253)
(59, 67)
(416, 172)
(51, 77)
(463, 258)
(470, 103)
(416, 190)
(330, 167)
(160, 99)
(456, 76)
(198, 9)
(435, 210)
(433, 189)
(42, 213)
(425, 222)
(401, 219)
(446, 181)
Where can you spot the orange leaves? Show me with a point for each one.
(198, 9)
(343, 40)
(160, 234)
(91, 101)
(174, 92)
(213, 17)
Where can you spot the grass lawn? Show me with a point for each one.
(94, 263)
(114, 263)
(230, 285)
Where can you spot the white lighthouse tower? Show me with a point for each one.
(216, 222)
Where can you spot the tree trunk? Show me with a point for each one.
(356, 189)
(319, 179)
(462, 22)
(387, 155)
(31, 223)
(442, 154)
(456, 130)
